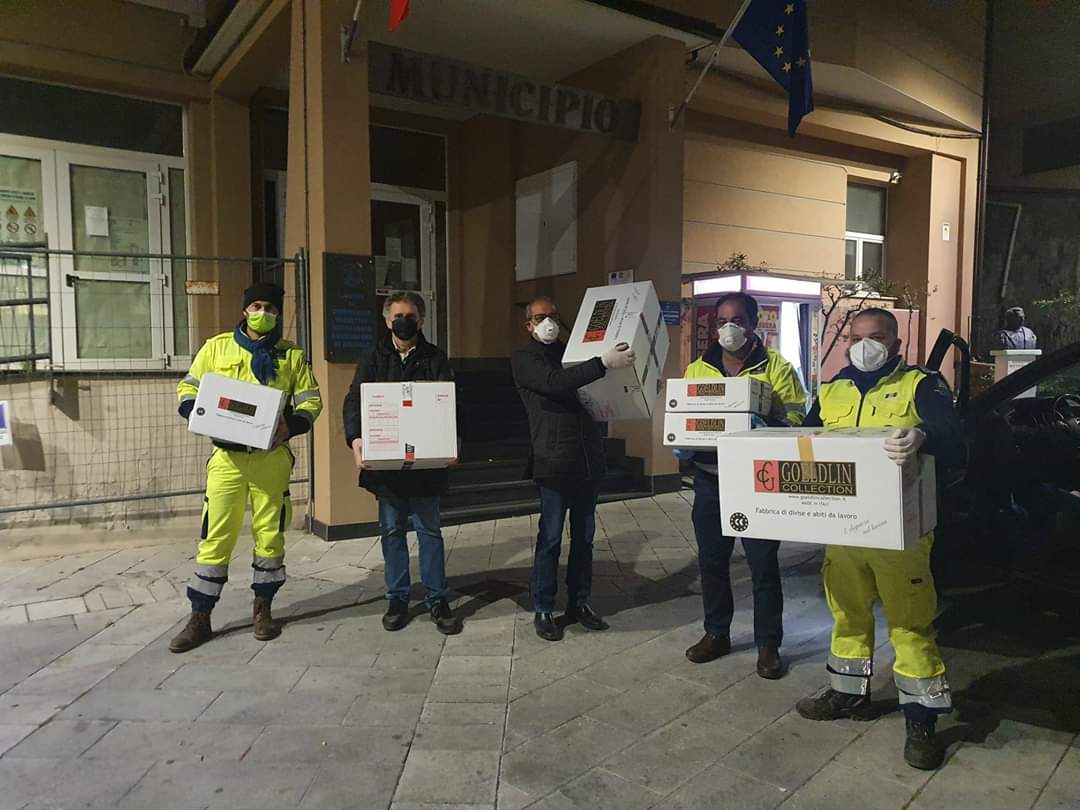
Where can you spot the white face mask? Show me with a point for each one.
(868, 355)
(547, 331)
(732, 337)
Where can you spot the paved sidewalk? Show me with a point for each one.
(95, 712)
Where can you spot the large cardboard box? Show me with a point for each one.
(236, 412)
(699, 431)
(408, 425)
(719, 395)
(811, 486)
(622, 313)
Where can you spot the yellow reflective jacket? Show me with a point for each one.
(890, 403)
(222, 355)
(769, 366)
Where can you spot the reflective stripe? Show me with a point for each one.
(305, 396)
(212, 571)
(268, 570)
(795, 409)
(189, 380)
(187, 398)
(309, 416)
(864, 667)
(849, 684)
(934, 693)
(205, 586)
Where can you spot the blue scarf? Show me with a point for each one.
(262, 351)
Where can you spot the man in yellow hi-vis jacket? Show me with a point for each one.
(879, 390)
(254, 352)
(739, 352)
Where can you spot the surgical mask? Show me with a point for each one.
(868, 355)
(405, 328)
(732, 337)
(261, 322)
(547, 331)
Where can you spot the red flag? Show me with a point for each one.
(399, 10)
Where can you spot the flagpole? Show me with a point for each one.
(709, 63)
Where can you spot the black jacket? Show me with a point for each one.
(426, 363)
(566, 442)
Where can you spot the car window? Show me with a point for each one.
(1062, 381)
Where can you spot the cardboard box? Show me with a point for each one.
(720, 394)
(236, 412)
(699, 431)
(622, 313)
(408, 425)
(807, 485)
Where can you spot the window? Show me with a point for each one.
(864, 240)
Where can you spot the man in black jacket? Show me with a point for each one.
(567, 462)
(404, 355)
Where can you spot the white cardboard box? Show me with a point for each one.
(699, 431)
(235, 411)
(720, 394)
(408, 425)
(807, 485)
(622, 313)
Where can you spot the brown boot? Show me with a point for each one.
(195, 633)
(265, 626)
(769, 663)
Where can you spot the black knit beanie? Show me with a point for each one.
(270, 293)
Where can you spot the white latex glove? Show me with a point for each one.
(904, 444)
(619, 357)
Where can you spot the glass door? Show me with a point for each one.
(114, 311)
(402, 245)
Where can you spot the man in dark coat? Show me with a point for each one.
(405, 356)
(567, 462)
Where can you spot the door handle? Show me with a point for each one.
(70, 279)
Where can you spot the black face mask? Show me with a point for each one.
(405, 328)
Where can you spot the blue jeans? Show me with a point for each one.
(714, 560)
(394, 514)
(556, 498)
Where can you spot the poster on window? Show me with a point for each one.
(768, 328)
(20, 210)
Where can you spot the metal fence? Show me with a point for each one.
(92, 346)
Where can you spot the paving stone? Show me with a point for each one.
(439, 806)
(97, 620)
(61, 739)
(652, 704)
(153, 741)
(275, 708)
(1039, 749)
(958, 785)
(143, 625)
(721, 787)
(56, 607)
(28, 709)
(371, 747)
(551, 706)
(879, 753)
(13, 615)
(10, 735)
(358, 681)
(541, 765)
(52, 783)
(461, 714)
(434, 736)
(382, 709)
(137, 704)
(232, 676)
(449, 776)
(600, 790)
(837, 785)
(247, 785)
(1062, 792)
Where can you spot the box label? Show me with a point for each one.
(236, 406)
(706, 390)
(805, 478)
(596, 330)
(713, 425)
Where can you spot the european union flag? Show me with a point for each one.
(775, 33)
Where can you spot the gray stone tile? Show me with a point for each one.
(20, 710)
(461, 714)
(248, 785)
(542, 764)
(10, 735)
(600, 790)
(790, 751)
(439, 806)
(371, 746)
(382, 709)
(275, 708)
(135, 704)
(720, 787)
(1062, 792)
(61, 739)
(458, 738)
(837, 785)
(359, 681)
(879, 753)
(1010, 742)
(511, 798)
(963, 786)
(143, 625)
(56, 783)
(551, 706)
(146, 670)
(462, 777)
(651, 704)
(228, 676)
(634, 666)
(151, 741)
(468, 693)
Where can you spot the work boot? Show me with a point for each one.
(546, 627)
(921, 749)
(586, 617)
(195, 633)
(397, 614)
(265, 626)
(445, 621)
(833, 705)
(769, 663)
(709, 649)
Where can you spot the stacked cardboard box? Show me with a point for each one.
(699, 411)
(236, 412)
(408, 425)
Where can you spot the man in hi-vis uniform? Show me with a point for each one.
(256, 353)
(879, 390)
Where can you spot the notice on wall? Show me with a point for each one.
(20, 212)
(97, 220)
(768, 328)
(393, 249)
(351, 306)
(6, 439)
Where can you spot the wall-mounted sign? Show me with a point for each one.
(351, 308)
(195, 287)
(432, 79)
(620, 277)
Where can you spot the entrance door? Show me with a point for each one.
(113, 308)
(403, 245)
